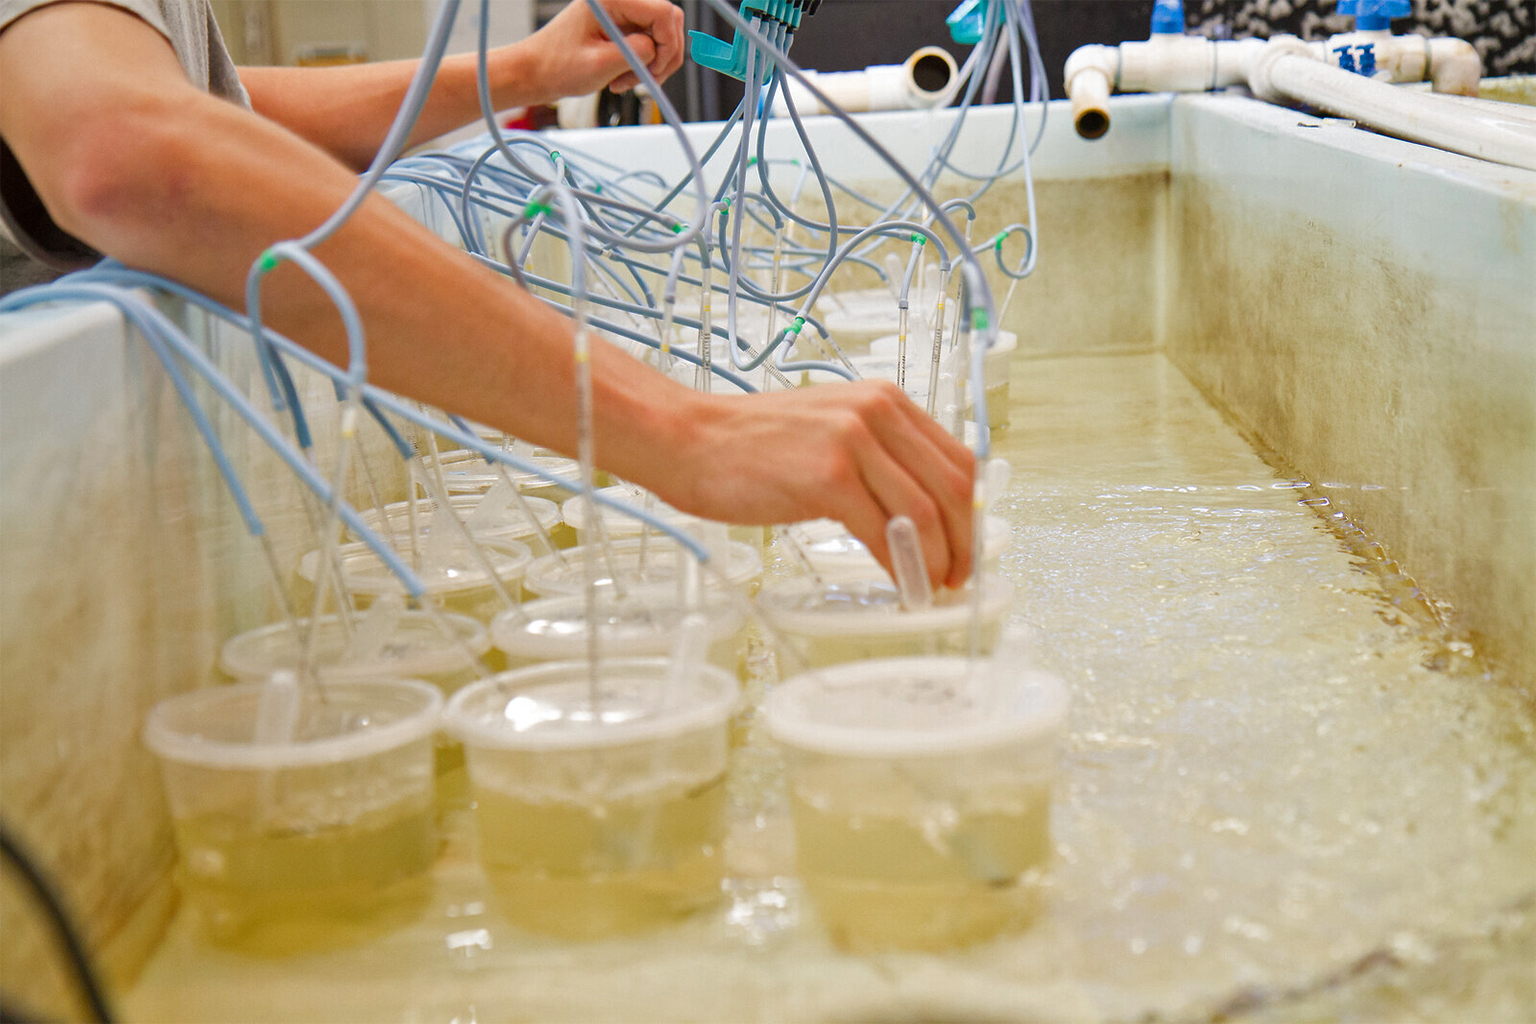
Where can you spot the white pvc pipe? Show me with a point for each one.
(927, 79)
(1183, 63)
(1287, 71)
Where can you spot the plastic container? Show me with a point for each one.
(996, 368)
(857, 318)
(508, 523)
(466, 472)
(642, 623)
(920, 793)
(620, 524)
(883, 367)
(415, 648)
(552, 576)
(833, 551)
(320, 841)
(838, 620)
(459, 581)
(598, 821)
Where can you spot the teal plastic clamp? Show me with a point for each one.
(967, 22)
(712, 53)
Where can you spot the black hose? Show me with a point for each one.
(74, 950)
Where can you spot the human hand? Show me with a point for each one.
(859, 453)
(573, 56)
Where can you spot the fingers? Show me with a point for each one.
(645, 50)
(661, 22)
(897, 492)
(942, 469)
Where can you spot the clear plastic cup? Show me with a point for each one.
(833, 620)
(602, 820)
(415, 648)
(509, 522)
(640, 623)
(555, 576)
(319, 841)
(833, 551)
(996, 368)
(619, 525)
(459, 582)
(883, 367)
(466, 472)
(920, 793)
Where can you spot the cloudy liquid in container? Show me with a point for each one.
(1281, 797)
(885, 880)
(280, 891)
(588, 870)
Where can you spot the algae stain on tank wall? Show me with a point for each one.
(1406, 398)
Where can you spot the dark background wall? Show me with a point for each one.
(849, 34)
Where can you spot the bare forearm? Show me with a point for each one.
(348, 110)
(440, 328)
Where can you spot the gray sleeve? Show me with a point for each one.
(189, 26)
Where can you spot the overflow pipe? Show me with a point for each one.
(927, 79)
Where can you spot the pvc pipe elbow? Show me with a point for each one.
(1454, 67)
(1089, 75)
(1260, 74)
(929, 78)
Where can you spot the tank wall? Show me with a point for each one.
(1367, 309)
(123, 564)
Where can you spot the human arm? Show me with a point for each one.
(347, 110)
(129, 156)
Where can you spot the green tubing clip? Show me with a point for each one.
(919, 239)
(267, 262)
(979, 319)
(796, 327)
(554, 155)
(535, 208)
(731, 58)
(678, 229)
(997, 243)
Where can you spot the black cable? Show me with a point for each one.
(47, 896)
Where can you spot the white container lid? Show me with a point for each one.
(621, 524)
(215, 727)
(465, 471)
(415, 647)
(549, 576)
(915, 707)
(548, 707)
(364, 572)
(832, 549)
(643, 622)
(872, 607)
(509, 522)
(885, 345)
(878, 367)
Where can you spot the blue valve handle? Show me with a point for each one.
(1168, 18)
(731, 59)
(1374, 15)
(967, 22)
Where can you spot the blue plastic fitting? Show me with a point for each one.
(1168, 17)
(967, 22)
(712, 53)
(1375, 15)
